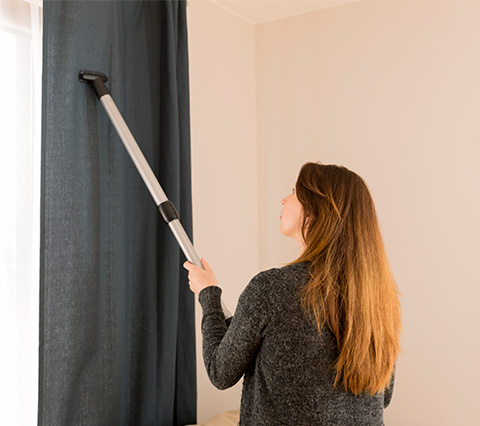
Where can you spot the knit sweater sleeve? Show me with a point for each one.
(227, 351)
(389, 391)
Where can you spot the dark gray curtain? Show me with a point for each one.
(117, 335)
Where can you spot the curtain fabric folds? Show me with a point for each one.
(117, 326)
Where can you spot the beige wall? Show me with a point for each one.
(389, 89)
(224, 164)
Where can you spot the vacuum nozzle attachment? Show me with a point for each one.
(97, 79)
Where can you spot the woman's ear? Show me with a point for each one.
(308, 220)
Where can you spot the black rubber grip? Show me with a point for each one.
(99, 87)
(168, 211)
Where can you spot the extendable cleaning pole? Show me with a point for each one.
(167, 209)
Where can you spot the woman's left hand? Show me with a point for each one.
(198, 278)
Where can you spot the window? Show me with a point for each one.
(20, 119)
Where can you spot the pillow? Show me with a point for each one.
(228, 418)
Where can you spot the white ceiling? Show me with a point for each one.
(260, 11)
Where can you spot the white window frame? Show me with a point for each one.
(19, 355)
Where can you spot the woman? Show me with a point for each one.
(317, 339)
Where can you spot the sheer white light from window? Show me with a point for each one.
(20, 118)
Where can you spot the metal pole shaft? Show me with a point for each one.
(133, 149)
(165, 206)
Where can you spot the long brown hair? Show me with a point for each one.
(351, 289)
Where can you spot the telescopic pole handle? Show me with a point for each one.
(166, 207)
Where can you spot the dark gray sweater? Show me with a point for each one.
(288, 367)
